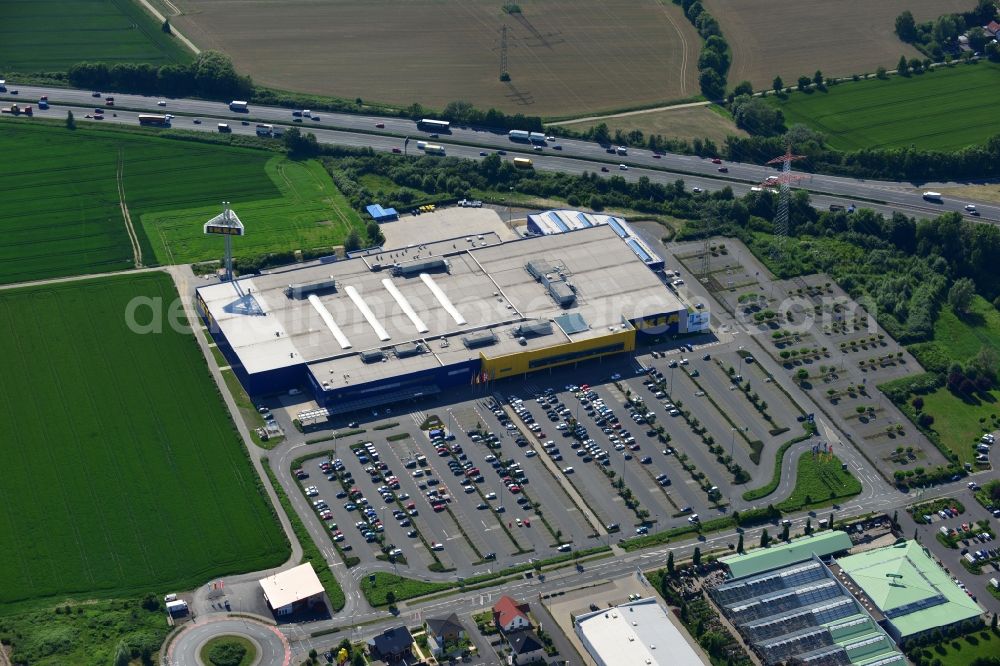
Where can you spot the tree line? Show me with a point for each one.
(715, 57)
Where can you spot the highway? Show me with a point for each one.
(574, 157)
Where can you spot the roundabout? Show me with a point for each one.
(256, 644)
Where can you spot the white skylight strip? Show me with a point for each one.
(405, 305)
(330, 323)
(442, 298)
(367, 312)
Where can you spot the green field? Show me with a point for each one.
(960, 423)
(303, 210)
(51, 35)
(819, 481)
(961, 338)
(963, 651)
(62, 214)
(122, 472)
(946, 109)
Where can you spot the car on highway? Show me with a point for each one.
(697, 190)
(162, 102)
(623, 167)
(657, 156)
(604, 169)
(396, 150)
(716, 160)
(482, 153)
(437, 546)
(723, 169)
(95, 94)
(380, 125)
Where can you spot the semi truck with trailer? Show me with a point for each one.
(522, 163)
(154, 120)
(433, 149)
(265, 130)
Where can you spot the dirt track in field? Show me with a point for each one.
(564, 56)
(789, 38)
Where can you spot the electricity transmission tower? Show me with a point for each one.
(783, 182)
(504, 74)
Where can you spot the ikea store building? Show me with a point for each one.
(391, 325)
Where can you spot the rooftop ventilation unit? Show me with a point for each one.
(372, 356)
(535, 328)
(306, 289)
(408, 349)
(412, 268)
(479, 339)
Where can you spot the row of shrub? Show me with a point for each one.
(714, 59)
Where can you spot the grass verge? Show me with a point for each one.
(779, 457)
(819, 482)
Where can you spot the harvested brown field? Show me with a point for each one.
(565, 57)
(789, 38)
(687, 122)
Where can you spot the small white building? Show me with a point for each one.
(636, 633)
(296, 589)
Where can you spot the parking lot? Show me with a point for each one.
(573, 458)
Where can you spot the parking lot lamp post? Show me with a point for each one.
(732, 442)
(739, 373)
(671, 382)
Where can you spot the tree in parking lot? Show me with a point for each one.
(809, 526)
(785, 531)
(765, 539)
(70, 120)
(696, 556)
(739, 545)
(670, 563)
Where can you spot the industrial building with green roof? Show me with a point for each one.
(801, 614)
(906, 586)
(764, 559)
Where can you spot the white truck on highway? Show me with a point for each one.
(241, 107)
(932, 196)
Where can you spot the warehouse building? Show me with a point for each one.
(552, 222)
(906, 587)
(639, 632)
(790, 608)
(393, 325)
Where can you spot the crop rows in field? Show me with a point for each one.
(122, 472)
(62, 214)
(946, 109)
(564, 56)
(52, 35)
(789, 38)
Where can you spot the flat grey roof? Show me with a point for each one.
(484, 288)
